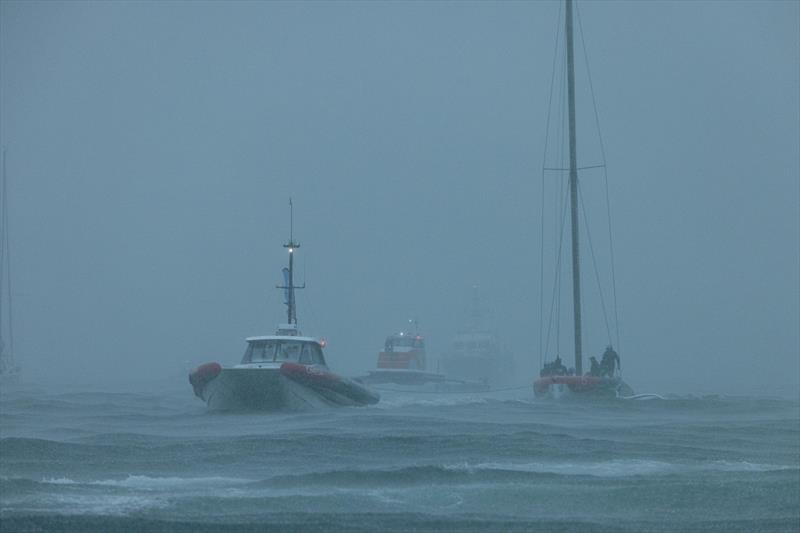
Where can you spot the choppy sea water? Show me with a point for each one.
(157, 461)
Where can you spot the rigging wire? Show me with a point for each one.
(307, 300)
(559, 279)
(556, 284)
(605, 178)
(544, 163)
(560, 200)
(560, 211)
(594, 264)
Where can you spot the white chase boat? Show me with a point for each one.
(284, 371)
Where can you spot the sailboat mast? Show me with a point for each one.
(573, 193)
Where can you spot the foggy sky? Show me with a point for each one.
(152, 149)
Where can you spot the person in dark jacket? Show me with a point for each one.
(554, 368)
(609, 362)
(558, 367)
(595, 369)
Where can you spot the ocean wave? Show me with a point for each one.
(154, 483)
(498, 472)
(451, 400)
(64, 496)
(33, 447)
(419, 473)
(431, 487)
(622, 467)
(465, 472)
(84, 504)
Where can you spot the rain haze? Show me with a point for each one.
(152, 149)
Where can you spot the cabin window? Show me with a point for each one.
(289, 351)
(316, 354)
(259, 352)
(277, 350)
(406, 342)
(311, 355)
(305, 357)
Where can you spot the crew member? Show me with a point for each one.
(610, 361)
(595, 370)
(558, 367)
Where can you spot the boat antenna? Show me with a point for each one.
(288, 273)
(573, 191)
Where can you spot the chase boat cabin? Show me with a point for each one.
(286, 345)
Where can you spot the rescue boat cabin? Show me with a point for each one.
(403, 351)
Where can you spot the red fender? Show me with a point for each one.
(321, 379)
(202, 375)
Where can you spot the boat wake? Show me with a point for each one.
(643, 396)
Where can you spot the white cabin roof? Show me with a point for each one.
(282, 338)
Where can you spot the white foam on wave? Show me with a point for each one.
(622, 467)
(407, 400)
(132, 494)
(744, 466)
(154, 483)
(80, 504)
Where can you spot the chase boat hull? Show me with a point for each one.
(286, 387)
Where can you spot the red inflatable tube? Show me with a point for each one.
(202, 375)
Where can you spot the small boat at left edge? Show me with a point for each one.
(10, 371)
(281, 372)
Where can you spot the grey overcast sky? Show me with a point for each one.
(152, 149)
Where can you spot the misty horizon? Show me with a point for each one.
(152, 149)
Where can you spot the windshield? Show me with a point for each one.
(402, 343)
(275, 350)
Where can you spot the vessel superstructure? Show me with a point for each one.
(403, 361)
(476, 354)
(284, 371)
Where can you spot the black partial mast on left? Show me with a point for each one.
(289, 287)
(573, 193)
